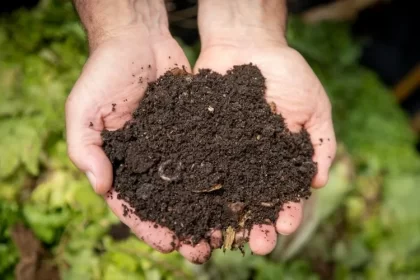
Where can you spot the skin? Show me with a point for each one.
(125, 37)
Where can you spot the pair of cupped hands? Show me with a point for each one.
(111, 75)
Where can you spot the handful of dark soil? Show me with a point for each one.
(207, 152)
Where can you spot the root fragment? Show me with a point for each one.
(179, 72)
(237, 207)
(229, 238)
(212, 189)
(267, 204)
(273, 107)
(244, 219)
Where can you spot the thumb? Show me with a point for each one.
(321, 131)
(84, 143)
(96, 165)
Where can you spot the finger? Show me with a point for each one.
(216, 239)
(289, 218)
(198, 254)
(324, 143)
(242, 237)
(262, 239)
(97, 166)
(160, 238)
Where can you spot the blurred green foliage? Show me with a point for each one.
(365, 223)
(378, 220)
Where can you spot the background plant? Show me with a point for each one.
(365, 223)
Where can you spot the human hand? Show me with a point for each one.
(124, 57)
(237, 36)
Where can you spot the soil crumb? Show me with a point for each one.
(207, 152)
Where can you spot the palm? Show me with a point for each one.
(109, 89)
(292, 86)
(118, 73)
(300, 98)
(290, 82)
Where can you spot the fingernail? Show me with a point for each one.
(92, 179)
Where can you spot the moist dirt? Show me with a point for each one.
(208, 152)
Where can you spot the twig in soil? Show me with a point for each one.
(267, 204)
(273, 107)
(229, 238)
(244, 218)
(212, 189)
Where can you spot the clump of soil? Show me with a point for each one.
(207, 151)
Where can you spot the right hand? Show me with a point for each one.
(240, 32)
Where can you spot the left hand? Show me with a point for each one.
(124, 57)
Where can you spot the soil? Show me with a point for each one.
(207, 152)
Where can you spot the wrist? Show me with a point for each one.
(242, 23)
(108, 19)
